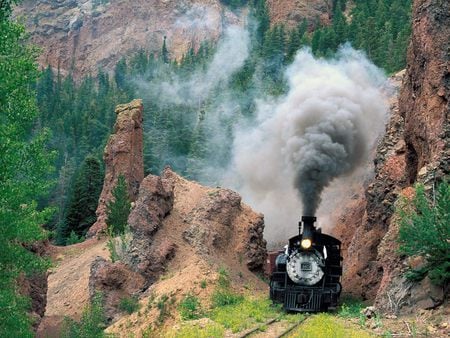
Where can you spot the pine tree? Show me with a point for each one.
(84, 198)
(165, 52)
(118, 208)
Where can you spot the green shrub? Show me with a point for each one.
(350, 308)
(118, 209)
(190, 308)
(225, 297)
(129, 304)
(74, 239)
(224, 278)
(162, 306)
(203, 284)
(92, 322)
(425, 231)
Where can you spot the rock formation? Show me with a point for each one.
(291, 13)
(87, 35)
(424, 99)
(415, 148)
(35, 286)
(115, 282)
(174, 219)
(213, 224)
(122, 156)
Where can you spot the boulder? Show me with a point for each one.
(114, 281)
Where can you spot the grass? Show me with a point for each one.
(129, 304)
(350, 308)
(324, 325)
(245, 314)
(203, 284)
(191, 330)
(190, 308)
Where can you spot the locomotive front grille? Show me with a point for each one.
(303, 300)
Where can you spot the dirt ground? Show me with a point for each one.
(68, 283)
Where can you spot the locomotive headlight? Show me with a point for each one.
(306, 243)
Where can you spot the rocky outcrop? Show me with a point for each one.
(424, 106)
(424, 99)
(122, 156)
(87, 35)
(35, 286)
(114, 281)
(216, 223)
(414, 149)
(155, 202)
(366, 218)
(175, 221)
(291, 13)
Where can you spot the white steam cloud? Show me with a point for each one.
(321, 129)
(232, 51)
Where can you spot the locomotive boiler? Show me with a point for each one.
(306, 276)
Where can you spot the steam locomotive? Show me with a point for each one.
(306, 276)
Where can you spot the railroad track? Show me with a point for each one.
(263, 327)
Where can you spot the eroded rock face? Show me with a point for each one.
(155, 202)
(291, 13)
(115, 281)
(216, 221)
(365, 219)
(211, 221)
(414, 149)
(424, 105)
(35, 286)
(424, 99)
(87, 35)
(122, 156)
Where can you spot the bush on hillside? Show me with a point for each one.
(425, 231)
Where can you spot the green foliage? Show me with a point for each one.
(224, 278)
(244, 314)
(223, 295)
(129, 304)
(74, 239)
(25, 165)
(425, 231)
(190, 308)
(111, 245)
(233, 4)
(203, 284)
(350, 308)
(118, 209)
(92, 322)
(163, 307)
(379, 27)
(324, 325)
(190, 330)
(83, 200)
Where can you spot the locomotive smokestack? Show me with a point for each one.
(308, 230)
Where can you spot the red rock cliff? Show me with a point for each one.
(415, 148)
(122, 156)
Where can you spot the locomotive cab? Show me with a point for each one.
(307, 274)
